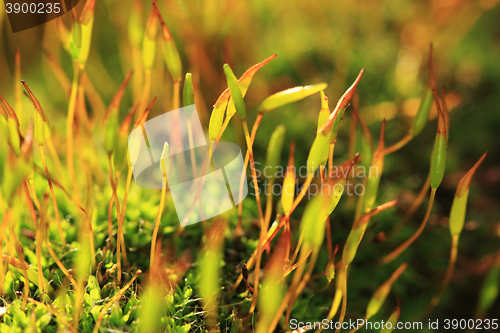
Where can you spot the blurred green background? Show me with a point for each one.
(325, 41)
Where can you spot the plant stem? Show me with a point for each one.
(191, 146)
(302, 192)
(2, 237)
(359, 203)
(58, 261)
(449, 272)
(284, 302)
(39, 242)
(157, 224)
(335, 306)
(261, 216)
(413, 208)
(398, 145)
(393, 255)
(110, 218)
(88, 219)
(32, 193)
(18, 87)
(176, 96)
(330, 160)
(251, 261)
(262, 236)
(145, 92)
(299, 245)
(288, 236)
(344, 297)
(247, 157)
(69, 126)
(55, 157)
(117, 205)
(329, 238)
(38, 238)
(53, 197)
(122, 215)
(30, 205)
(302, 284)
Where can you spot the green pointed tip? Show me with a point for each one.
(236, 95)
(165, 151)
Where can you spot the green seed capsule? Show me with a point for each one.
(76, 39)
(312, 225)
(318, 155)
(491, 288)
(342, 104)
(337, 191)
(330, 270)
(111, 118)
(381, 293)
(272, 291)
(170, 52)
(188, 92)
(165, 159)
(217, 116)
(459, 205)
(358, 231)
(14, 135)
(148, 52)
(235, 91)
(289, 96)
(135, 24)
(216, 120)
(457, 214)
(438, 157)
(288, 191)
(172, 59)
(438, 161)
(120, 153)
(273, 155)
(336, 125)
(324, 112)
(374, 173)
(76, 34)
(111, 131)
(322, 205)
(424, 109)
(393, 319)
(149, 41)
(422, 114)
(87, 20)
(39, 117)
